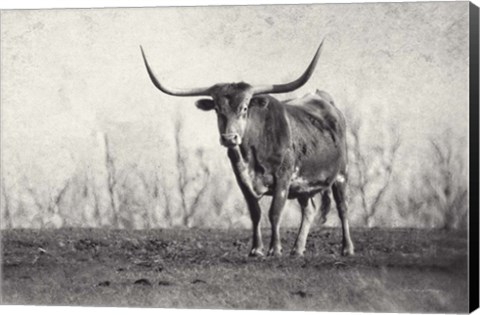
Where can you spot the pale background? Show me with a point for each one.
(71, 76)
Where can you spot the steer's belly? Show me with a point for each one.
(310, 184)
(263, 184)
(301, 186)
(307, 179)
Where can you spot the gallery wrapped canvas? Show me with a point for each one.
(319, 157)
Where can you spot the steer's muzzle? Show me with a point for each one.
(230, 139)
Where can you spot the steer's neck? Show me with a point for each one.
(266, 139)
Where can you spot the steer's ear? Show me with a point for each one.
(259, 101)
(205, 104)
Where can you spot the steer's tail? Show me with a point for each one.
(325, 205)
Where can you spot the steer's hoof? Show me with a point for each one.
(348, 251)
(277, 252)
(297, 253)
(256, 252)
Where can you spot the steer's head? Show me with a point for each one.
(232, 101)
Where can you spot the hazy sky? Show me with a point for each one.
(68, 73)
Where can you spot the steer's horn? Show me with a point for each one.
(173, 92)
(288, 87)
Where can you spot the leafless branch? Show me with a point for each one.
(186, 183)
(168, 204)
(111, 181)
(438, 194)
(372, 166)
(7, 216)
(447, 183)
(50, 206)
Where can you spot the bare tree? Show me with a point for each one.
(157, 195)
(191, 186)
(127, 204)
(89, 193)
(7, 211)
(128, 197)
(438, 192)
(220, 195)
(371, 165)
(122, 187)
(96, 206)
(226, 206)
(161, 195)
(168, 204)
(49, 209)
(152, 195)
(111, 181)
(446, 182)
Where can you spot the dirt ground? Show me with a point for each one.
(396, 270)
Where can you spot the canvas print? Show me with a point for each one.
(276, 157)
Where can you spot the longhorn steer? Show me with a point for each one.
(294, 149)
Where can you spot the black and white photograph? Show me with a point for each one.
(300, 157)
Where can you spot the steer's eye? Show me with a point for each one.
(244, 109)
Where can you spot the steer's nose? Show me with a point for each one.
(230, 139)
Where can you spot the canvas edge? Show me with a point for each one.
(474, 160)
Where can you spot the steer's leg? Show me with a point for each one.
(339, 194)
(252, 202)
(279, 199)
(255, 215)
(308, 214)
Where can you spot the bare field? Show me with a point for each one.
(400, 270)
